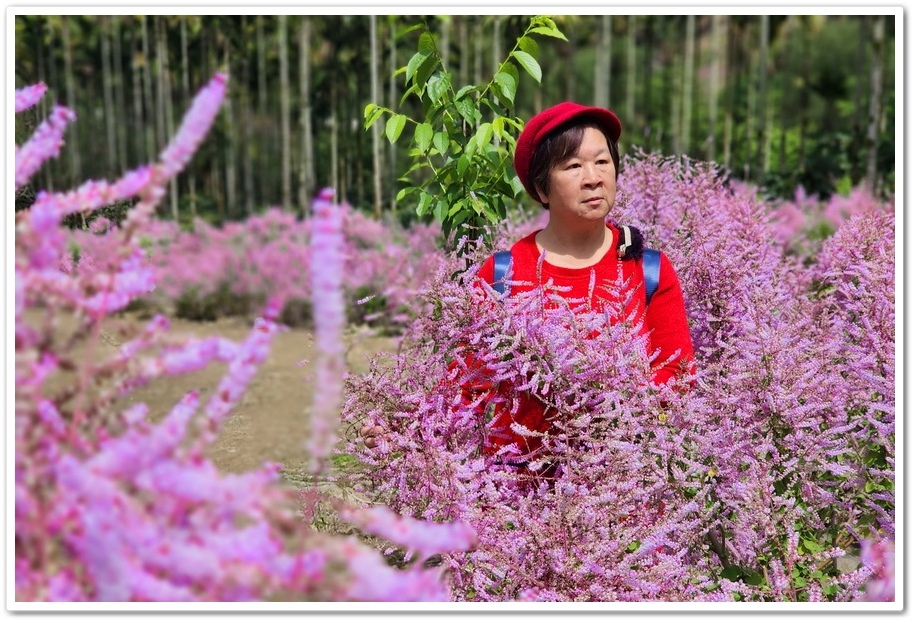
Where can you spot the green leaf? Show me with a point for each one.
(440, 142)
(813, 547)
(753, 578)
(508, 85)
(407, 30)
(441, 210)
(425, 70)
(548, 32)
(471, 146)
(426, 45)
(423, 205)
(484, 134)
(410, 91)
(516, 123)
(438, 85)
(529, 45)
(372, 114)
(404, 192)
(461, 217)
(492, 216)
(459, 205)
(528, 63)
(394, 127)
(414, 63)
(463, 163)
(423, 136)
(465, 90)
(468, 111)
(517, 185)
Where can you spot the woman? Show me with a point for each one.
(568, 160)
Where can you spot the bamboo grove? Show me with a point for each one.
(782, 101)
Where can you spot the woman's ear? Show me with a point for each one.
(541, 196)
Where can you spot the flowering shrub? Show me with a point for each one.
(110, 506)
(214, 271)
(749, 487)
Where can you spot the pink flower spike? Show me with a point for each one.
(45, 143)
(194, 126)
(426, 538)
(27, 97)
(327, 265)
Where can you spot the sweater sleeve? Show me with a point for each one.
(669, 333)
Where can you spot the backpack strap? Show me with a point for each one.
(500, 267)
(651, 265)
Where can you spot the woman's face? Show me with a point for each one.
(585, 184)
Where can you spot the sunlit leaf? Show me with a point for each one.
(423, 136)
(528, 63)
(394, 127)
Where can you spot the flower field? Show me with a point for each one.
(750, 487)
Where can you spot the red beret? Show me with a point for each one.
(550, 119)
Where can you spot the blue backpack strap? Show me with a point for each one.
(651, 265)
(500, 267)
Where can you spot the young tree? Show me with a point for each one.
(165, 99)
(153, 128)
(70, 82)
(718, 61)
(119, 91)
(285, 147)
(874, 102)
(265, 142)
(762, 97)
(374, 63)
(630, 97)
(185, 96)
(108, 96)
(603, 54)
(689, 64)
(307, 162)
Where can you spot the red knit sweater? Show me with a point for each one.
(665, 322)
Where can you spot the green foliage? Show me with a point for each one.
(192, 305)
(462, 146)
(116, 213)
(297, 313)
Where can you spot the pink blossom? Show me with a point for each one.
(28, 96)
(194, 126)
(423, 537)
(328, 310)
(45, 143)
(878, 556)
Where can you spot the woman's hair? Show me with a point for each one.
(560, 145)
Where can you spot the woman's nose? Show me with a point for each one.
(591, 175)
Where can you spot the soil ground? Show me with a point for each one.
(269, 422)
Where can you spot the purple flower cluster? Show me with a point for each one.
(268, 256)
(113, 503)
(45, 143)
(29, 96)
(748, 487)
(327, 264)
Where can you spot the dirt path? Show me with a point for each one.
(269, 422)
